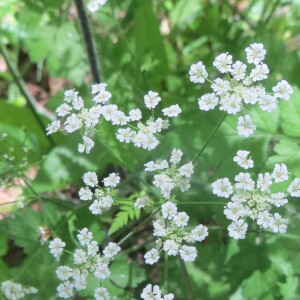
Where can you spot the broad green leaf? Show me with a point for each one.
(288, 152)
(290, 114)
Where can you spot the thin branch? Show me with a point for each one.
(187, 280)
(89, 41)
(137, 228)
(35, 108)
(209, 138)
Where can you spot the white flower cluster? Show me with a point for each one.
(87, 260)
(56, 247)
(154, 293)
(103, 198)
(14, 291)
(76, 116)
(241, 87)
(143, 201)
(255, 199)
(170, 175)
(94, 5)
(172, 234)
(143, 135)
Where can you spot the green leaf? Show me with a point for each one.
(290, 114)
(287, 151)
(127, 213)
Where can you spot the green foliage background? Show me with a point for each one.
(149, 45)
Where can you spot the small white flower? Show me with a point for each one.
(172, 111)
(186, 170)
(255, 53)
(151, 257)
(169, 297)
(171, 247)
(238, 70)
(102, 97)
(90, 179)
(86, 146)
(101, 293)
(135, 114)
(278, 199)
(70, 95)
(79, 257)
(96, 207)
(65, 290)
(111, 250)
(112, 180)
(234, 211)
(280, 173)
(245, 126)
(294, 188)
(169, 210)
(260, 72)
(93, 249)
(72, 123)
(102, 271)
(64, 272)
(268, 103)
(244, 182)
(84, 237)
(56, 247)
(85, 194)
(198, 73)
(223, 62)
(220, 86)
(238, 229)
(109, 111)
(222, 188)
(98, 87)
(264, 181)
(282, 90)
(63, 110)
(208, 101)
(53, 127)
(141, 202)
(242, 159)
(263, 219)
(175, 156)
(199, 233)
(278, 224)
(151, 99)
(232, 104)
(181, 219)
(188, 253)
(150, 293)
(125, 135)
(78, 103)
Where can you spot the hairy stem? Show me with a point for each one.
(33, 105)
(209, 138)
(89, 41)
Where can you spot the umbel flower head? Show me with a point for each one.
(171, 176)
(255, 199)
(103, 198)
(87, 261)
(241, 88)
(173, 236)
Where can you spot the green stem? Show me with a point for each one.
(138, 227)
(268, 18)
(89, 41)
(195, 202)
(166, 272)
(209, 138)
(187, 281)
(32, 103)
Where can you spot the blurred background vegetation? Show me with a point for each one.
(142, 45)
